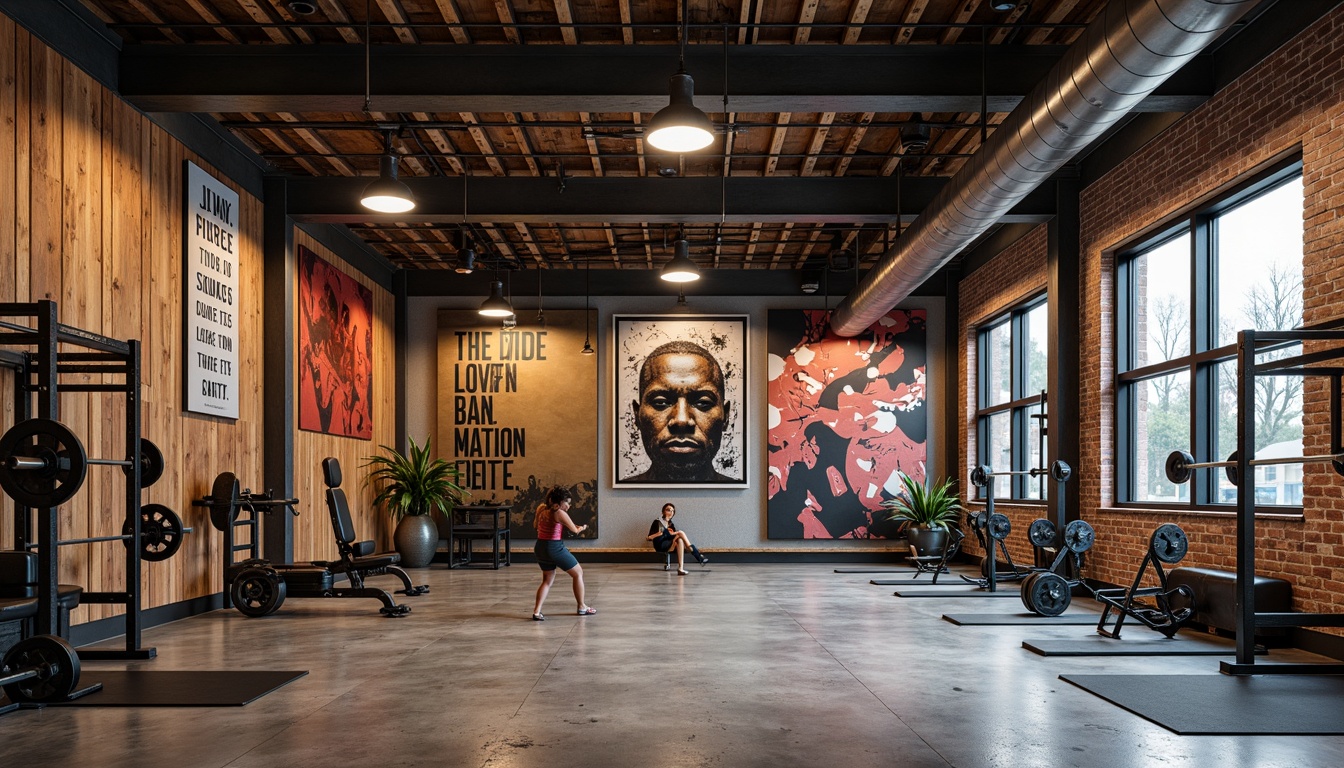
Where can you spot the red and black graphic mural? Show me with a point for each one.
(335, 350)
(845, 416)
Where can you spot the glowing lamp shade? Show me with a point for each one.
(388, 194)
(681, 269)
(680, 126)
(496, 305)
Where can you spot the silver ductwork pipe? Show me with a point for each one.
(1123, 55)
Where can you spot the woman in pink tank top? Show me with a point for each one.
(551, 552)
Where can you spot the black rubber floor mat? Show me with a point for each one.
(1268, 705)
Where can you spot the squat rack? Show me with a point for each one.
(114, 366)
(1249, 344)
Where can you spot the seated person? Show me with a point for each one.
(665, 537)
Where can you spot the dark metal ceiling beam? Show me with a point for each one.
(846, 200)
(601, 78)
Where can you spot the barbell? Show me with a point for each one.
(42, 668)
(226, 500)
(1058, 471)
(1179, 464)
(161, 534)
(43, 464)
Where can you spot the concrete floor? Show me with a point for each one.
(745, 665)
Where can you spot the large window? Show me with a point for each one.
(1010, 397)
(1182, 296)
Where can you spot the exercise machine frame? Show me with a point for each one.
(113, 366)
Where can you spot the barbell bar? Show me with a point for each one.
(43, 464)
(1058, 470)
(42, 668)
(1180, 463)
(161, 534)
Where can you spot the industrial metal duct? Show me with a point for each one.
(1123, 56)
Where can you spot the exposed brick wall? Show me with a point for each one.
(1293, 98)
(1013, 276)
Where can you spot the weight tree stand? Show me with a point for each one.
(1168, 544)
(114, 366)
(992, 528)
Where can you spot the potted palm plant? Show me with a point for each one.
(412, 485)
(924, 514)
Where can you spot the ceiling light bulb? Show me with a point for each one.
(681, 269)
(387, 193)
(495, 304)
(680, 126)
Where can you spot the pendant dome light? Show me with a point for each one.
(681, 269)
(680, 126)
(587, 343)
(388, 194)
(495, 305)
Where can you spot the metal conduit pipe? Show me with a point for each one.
(1122, 56)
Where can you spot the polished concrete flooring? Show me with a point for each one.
(744, 665)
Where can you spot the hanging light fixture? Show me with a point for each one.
(681, 269)
(466, 255)
(466, 247)
(388, 194)
(495, 305)
(680, 126)
(587, 343)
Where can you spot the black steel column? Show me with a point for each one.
(401, 334)
(48, 407)
(134, 486)
(952, 447)
(1245, 606)
(1064, 284)
(278, 361)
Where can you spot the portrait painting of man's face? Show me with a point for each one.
(680, 384)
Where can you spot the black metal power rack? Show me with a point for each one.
(1249, 344)
(114, 367)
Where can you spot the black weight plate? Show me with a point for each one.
(1041, 532)
(224, 501)
(1060, 471)
(257, 591)
(1233, 476)
(1178, 466)
(151, 464)
(999, 526)
(57, 665)
(1026, 591)
(54, 443)
(1079, 536)
(1049, 594)
(160, 533)
(980, 476)
(1169, 543)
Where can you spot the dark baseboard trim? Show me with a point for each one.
(1331, 646)
(115, 626)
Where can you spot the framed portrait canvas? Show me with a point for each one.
(335, 350)
(680, 392)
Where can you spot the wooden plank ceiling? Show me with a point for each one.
(569, 146)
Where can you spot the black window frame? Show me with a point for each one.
(1200, 361)
(1019, 404)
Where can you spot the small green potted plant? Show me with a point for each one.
(413, 485)
(924, 514)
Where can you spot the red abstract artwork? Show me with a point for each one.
(846, 416)
(335, 350)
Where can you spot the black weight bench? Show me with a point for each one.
(18, 598)
(1215, 596)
